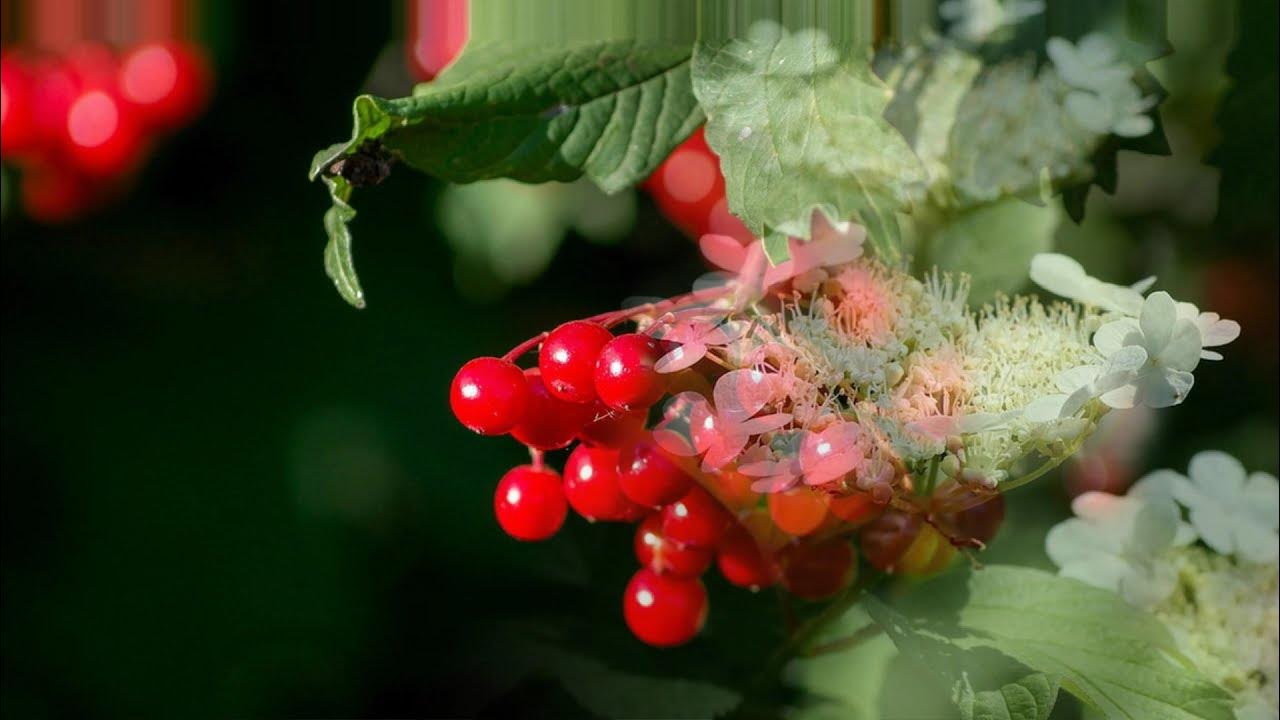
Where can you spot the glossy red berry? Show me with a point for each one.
(489, 395)
(664, 611)
(696, 519)
(883, 541)
(856, 508)
(591, 485)
(798, 511)
(568, 357)
(17, 127)
(54, 88)
(743, 562)
(612, 428)
(649, 477)
(167, 82)
(103, 134)
(529, 503)
(549, 423)
(664, 556)
(625, 378)
(815, 571)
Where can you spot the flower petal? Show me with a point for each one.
(681, 358)
(723, 251)
(1215, 527)
(742, 393)
(1183, 350)
(1217, 473)
(1262, 497)
(1112, 336)
(1215, 331)
(765, 423)
(1257, 544)
(1159, 313)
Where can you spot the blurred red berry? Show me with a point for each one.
(54, 193)
(437, 31)
(743, 562)
(17, 126)
(167, 82)
(884, 540)
(815, 571)
(798, 511)
(103, 135)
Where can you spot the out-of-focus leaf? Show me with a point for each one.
(612, 111)
(993, 244)
(799, 123)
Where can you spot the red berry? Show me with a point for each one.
(549, 423)
(167, 82)
(17, 127)
(612, 428)
(696, 519)
(103, 134)
(567, 359)
(625, 378)
(664, 611)
(743, 562)
(884, 540)
(489, 395)
(815, 571)
(529, 503)
(55, 193)
(663, 555)
(54, 88)
(437, 31)
(856, 508)
(591, 485)
(798, 511)
(648, 477)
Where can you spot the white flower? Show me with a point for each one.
(1172, 345)
(1106, 100)
(976, 20)
(1064, 276)
(1081, 384)
(1118, 542)
(1214, 330)
(1234, 514)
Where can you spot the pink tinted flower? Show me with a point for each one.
(833, 453)
(866, 309)
(695, 332)
(691, 426)
(775, 475)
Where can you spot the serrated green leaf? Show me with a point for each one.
(799, 124)
(612, 111)
(776, 248)
(1118, 659)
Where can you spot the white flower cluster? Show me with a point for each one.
(1219, 599)
(1104, 98)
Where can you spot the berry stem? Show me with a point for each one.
(858, 637)
(616, 317)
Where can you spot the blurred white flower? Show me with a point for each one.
(1234, 514)
(1106, 100)
(1062, 275)
(1119, 543)
(976, 20)
(1172, 346)
(1215, 331)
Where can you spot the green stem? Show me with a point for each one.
(855, 639)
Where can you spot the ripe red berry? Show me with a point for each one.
(529, 503)
(437, 30)
(648, 477)
(814, 571)
(664, 611)
(549, 423)
(489, 395)
(591, 485)
(855, 508)
(54, 87)
(884, 540)
(625, 378)
(568, 357)
(612, 428)
(743, 562)
(167, 82)
(17, 127)
(696, 519)
(661, 554)
(103, 135)
(798, 511)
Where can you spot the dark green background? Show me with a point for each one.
(226, 493)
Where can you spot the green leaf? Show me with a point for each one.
(338, 263)
(612, 111)
(1028, 698)
(797, 125)
(1120, 660)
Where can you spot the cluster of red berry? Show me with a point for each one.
(597, 388)
(79, 122)
(689, 189)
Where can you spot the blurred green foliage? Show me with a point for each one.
(226, 493)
